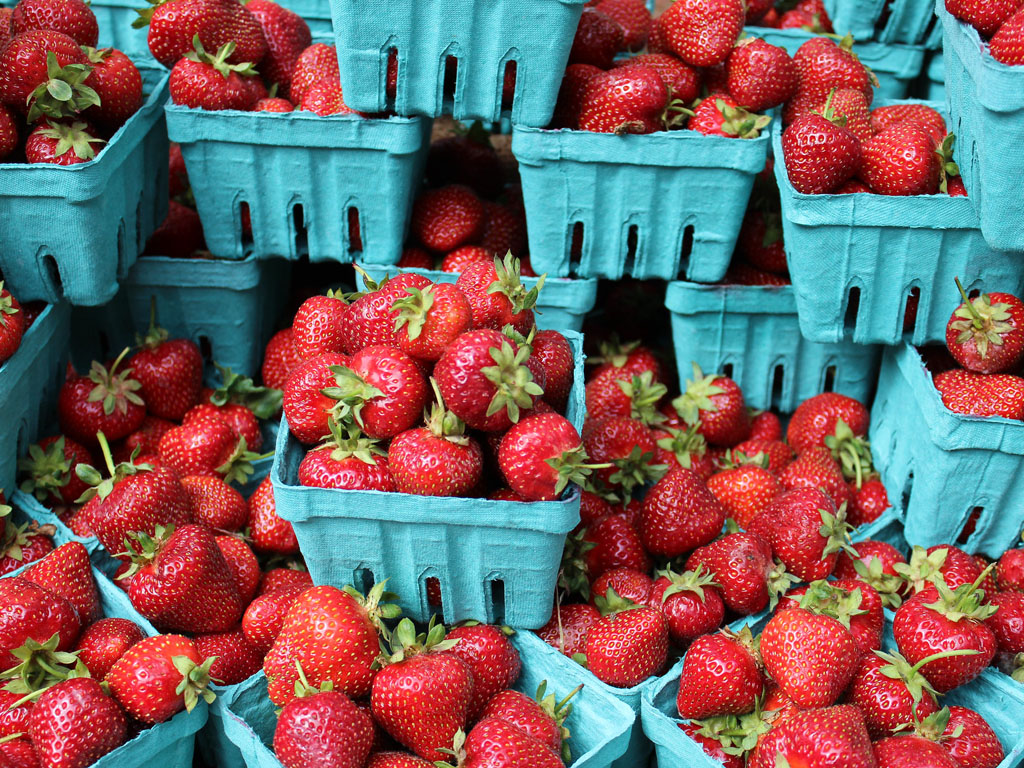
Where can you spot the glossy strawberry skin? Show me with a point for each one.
(201, 446)
(617, 544)
(720, 677)
(494, 741)
(761, 75)
(445, 218)
(741, 563)
(316, 327)
(30, 611)
(104, 642)
(971, 740)
(816, 418)
(901, 160)
(279, 359)
(214, 503)
(702, 33)
(819, 154)
(979, 394)
(567, 628)
(371, 319)
(76, 723)
(67, 571)
(428, 465)
(403, 388)
(1004, 357)
(527, 715)
(679, 515)
(144, 679)
(624, 649)
(623, 100)
(318, 469)
(305, 406)
(598, 39)
(886, 702)
(270, 532)
(23, 63)
(323, 729)
(491, 657)
(264, 616)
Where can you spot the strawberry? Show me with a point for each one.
(681, 80)
(814, 738)
(33, 60)
(316, 328)
(206, 446)
(445, 218)
(616, 543)
(214, 503)
(632, 16)
(541, 717)
(287, 36)
(812, 657)
(716, 401)
(275, 104)
(204, 81)
(397, 760)
(986, 334)
(953, 565)
(279, 359)
(429, 319)
(242, 565)
(73, 18)
(118, 84)
(895, 751)
(624, 100)
(422, 695)
(743, 567)
(371, 318)
(702, 32)
(756, 450)
(970, 740)
(675, 448)
(61, 144)
(819, 153)
(541, 455)
(146, 440)
(75, 723)
(920, 115)
(264, 616)
(179, 236)
(599, 37)
(497, 297)
(851, 104)
(49, 470)
(14, 720)
(1007, 624)
(901, 160)
(484, 380)
(856, 605)
(567, 629)
(67, 571)
(467, 158)
(940, 619)
(1010, 570)
(104, 642)
(720, 115)
(438, 459)
(314, 64)
(824, 65)
(636, 399)
(744, 491)
(494, 741)
(9, 138)
(891, 693)
(691, 602)
(269, 531)
(721, 676)
(104, 401)
(710, 737)
(490, 656)
(875, 564)
(981, 394)
(504, 230)
(679, 514)
(12, 324)
(29, 612)
(761, 75)
(744, 274)
(322, 727)
(551, 349)
(170, 373)
(175, 24)
(305, 406)
(160, 676)
(292, 575)
(235, 659)
(869, 502)
(325, 97)
(1007, 44)
(22, 544)
(347, 461)
(985, 17)
(815, 468)
(760, 241)
(333, 635)
(380, 389)
(570, 95)
(806, 531)
(628, 644)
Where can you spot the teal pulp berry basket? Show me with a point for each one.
(316, 13)
(72, 232)
(936, 70)
(114, 18)
(892, 21)
(986, 101)
(30, 381)
(664, 205)
(856, 259)
(598, 724)
(942, 468)
(561, 306)
(496, 561)
(896, 66)
(335, 188)
(752, 334)
(228, 308)
(453, 55)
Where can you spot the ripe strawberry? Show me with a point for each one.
(743, 567)
(438, 459)
(551, 349)
(617, 544)
(214, 503)
(691, 602)
(264, 616)
(954, 565)
(390, 759)
(75, 723)
(542, 717)
(305, 406)
(146, 439)
(279, 359)
(73, 18)
(242, 565)
(235, 659)
(567, 629)
(971, 740)
(276, 104)
(325, 97)
(624, 100)
(981, 394)
(445, 218)
(60, 144)
(67, 571)
(22, 544)
(1007, 44)
(207, 446)
(504, 230)
(897, 750)
(628, 644)
(316, 328)
(333, 635)
(497, 297)
(811, 657)
(170, 374)
(49, 470)
(287, 36)
(598, 39)
(953, 621)
(494, 741)
(875, 564)
(632, 16)
(30, 612)
(1007, 624)
(490, 656)
(104, 401)
(180, 235)
(760, 241)
(1010, 570)
(986, 17)
(715, 401)
(371, 318)
(160, 676)
(347, 461)
(422, 696)
(467, 158)
(744, 491)
(174, 25)
(609, 396)
(12, 324)
(806, 531)
(681, 80)
(118, 84)
(34, 59)
(777, 453)
(380, 389)
(292, 575)
(270, 532)
(824, 65)
(761, 75)
(815, 468)
(429, 319)
(104, 642)
(920, 115)
(204, 81)
(702, 32)
(628, 583)
(541, 455)
(851, 104)
(856, 605)
(901, 160)
(315, 63)
(720, 676)
(819, 153)
(890, 692)
(323, 727)
(679, 514)
(986, 334)
(570, 95)
(720, 115)
(709, 737)
(687, 449)
(814, 737)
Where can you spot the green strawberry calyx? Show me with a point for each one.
(40, 666)
(6, 306)
(352, 392)
(611, 602)
(736, 734)
(378, 602)
(852, 452)
(102, 486)
(146, 14)
(405, 642)
(219, 61)
(889, 587)
(697, 396)
(195, 680)
(510, 285)
(899, 668)
(614, 352)
(143, 549)
(305, 689)
(981, 321)
(734, 459)
(949, 168)
(458, 752)
(513, 382)
(740, 123)
(413, 310)
(636, 471)
(558, 711)
(684, 444)
(934, 726)
(238, 468)
(573, 576)
(15, 537)
(154, 335)
(46, 470)
(824, 599)
(780, 581)
(115, 389)
(573, 466)
(64, 93)
(1016, 668)
(348, 442)
(264, 402)
(836, 531)
(923, 568)
(644, 395)
(688, 581)
(74, 137)
(965, 602)
(443, 423)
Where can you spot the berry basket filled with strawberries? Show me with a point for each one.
(82, 151)
(983, 45)
(470, 411)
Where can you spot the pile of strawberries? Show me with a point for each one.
(1001, 23)
(80, 685)
(806, 15)
(985, 337)
(449, 374)
(61, 98)
(354, 693)
(14, 321)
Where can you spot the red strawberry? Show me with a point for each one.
(598, 38)
(681, 80)
(1007, 624)
(397, 760)
(919, 114)
(760, 241)
(170, 373)
(67, 571)
(709, 738)
(242, 565)
(720, 115)
(205, 81)
(106, 641)
(853, 105)
(628, 644)
(777, 453)
(174, 24)
(26, 72)
(160, 676)
(954, 566)
(985, 17)
(264, 616)
(323, 727)
(819, 154)
(632, 16)
(287, 36)
(679, 515)
(1010, 570)
(30, 612)
(815, 468)
(75, 723)
(986, 334)
(235, 659)
(22, 544)
(981, 394)
(875, 564)
(316, 328)
(279, 359)
(380, 389)
(616, 543)
(146, 439)
(73, 18)
(347, 461)
(325, 97)
(702, 32)
(269, 531)
(333, 635)
(466, 158)
(429, 319)
(315, 63)
(811, 657)
(12, 323)
(276, 104)
(901, 160)
(636, 399)
(1007, 44)
(496, 296)
(624, 100)
(305, 406)
(208, 446)
(890, 692)
(491, 657)
(570, 95)
(567, 629)
(743, 567)
(761, 75)
(423, 695)
(494, 741)
(691, 602)
(293, 575)
(104, 401)
(824, 65)
(720, 676)
(715, 401)
(540, 455)
(504, 230)
(445, 218)
(118, 84)
(744, 491)
(214, 503)
(970, 740)
(552, 350)
(179, 236)
(541, 718)
(49, 470)
(856, 605)
(60, 144)
(371, 318)
(813, 738)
